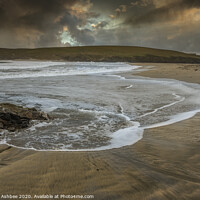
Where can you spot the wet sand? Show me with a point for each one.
(183, 72)
(163, 165)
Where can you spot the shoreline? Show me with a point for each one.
(162, 165)
(182, 72)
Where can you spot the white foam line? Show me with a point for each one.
(75, 71)
(123, 114)
(130, 86)
(41, 124)
(117, 76)
(121, 109)
(14, 65)
(130, 135)
(174, 119)
(124, 137)
(109, 113)
(165, 106)
(120, 138)
(4, 142)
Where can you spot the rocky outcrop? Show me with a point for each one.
(13, 117)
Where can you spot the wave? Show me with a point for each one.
(111, 109)
(23, 69)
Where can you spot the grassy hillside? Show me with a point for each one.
(100, 53)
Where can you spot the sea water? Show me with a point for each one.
(93, 106)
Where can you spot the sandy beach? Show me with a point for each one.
(163, 165)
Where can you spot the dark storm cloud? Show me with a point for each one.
(82, 36)
(167, 12)
(42, 20)
(100, 25)
(31, 13)
(172, 24)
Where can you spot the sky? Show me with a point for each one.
(164, 24)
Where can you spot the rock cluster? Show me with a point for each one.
(13, 117)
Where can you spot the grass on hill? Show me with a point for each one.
(100, 53)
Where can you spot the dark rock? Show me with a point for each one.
(11, 128)
(14, 117)
(1, 125)
(12, 121)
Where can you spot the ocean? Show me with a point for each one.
(93, 106)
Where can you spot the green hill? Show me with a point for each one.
(100, 53)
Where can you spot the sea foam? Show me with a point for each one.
(90, 103)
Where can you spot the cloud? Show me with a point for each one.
(163, 12)
(123, 8)
(100, 25)
(35, 23)
(81, 36)
(120, 9)
(141, 3)
(112, 16)
(152, 23)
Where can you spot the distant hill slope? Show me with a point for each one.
(100, 53)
